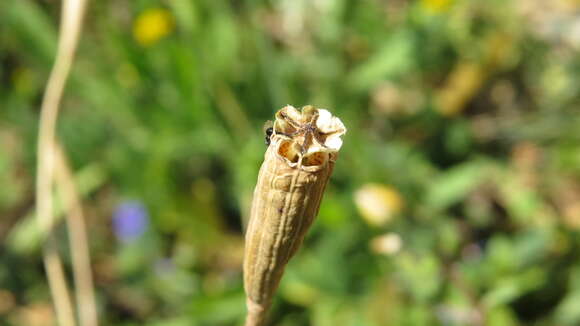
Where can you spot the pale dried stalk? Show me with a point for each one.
(78, 239)
(71, 21)
(291, 182)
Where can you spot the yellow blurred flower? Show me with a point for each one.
(463, 83)
(377, 203)
(152, 25)
(437, 5)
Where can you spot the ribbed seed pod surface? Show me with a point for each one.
(302, 151)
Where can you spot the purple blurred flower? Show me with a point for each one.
(130, 220)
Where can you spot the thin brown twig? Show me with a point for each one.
(80, 253)
(70, 26)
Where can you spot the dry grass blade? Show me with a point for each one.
(80, 253)
(71, 21)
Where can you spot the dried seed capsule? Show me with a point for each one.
(303, 148)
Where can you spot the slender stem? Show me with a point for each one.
(80, 253)
(71, 20)
(57, 283)
(256, 314)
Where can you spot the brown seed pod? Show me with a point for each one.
(298, 162)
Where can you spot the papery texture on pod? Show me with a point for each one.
(298, 162)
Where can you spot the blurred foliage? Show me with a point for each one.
(456, 199)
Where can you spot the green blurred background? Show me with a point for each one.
(455, 201)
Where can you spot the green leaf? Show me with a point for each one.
(455, 184)
(392, 60)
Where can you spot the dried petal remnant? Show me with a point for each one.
(303, 148)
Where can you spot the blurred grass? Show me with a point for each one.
(467, 110)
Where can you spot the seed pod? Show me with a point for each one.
(298, 162)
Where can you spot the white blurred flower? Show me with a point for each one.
(378, 204)
(387, 244)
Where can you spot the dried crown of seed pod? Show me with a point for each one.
(309, 137)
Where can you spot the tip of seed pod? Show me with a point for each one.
(309, 135)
